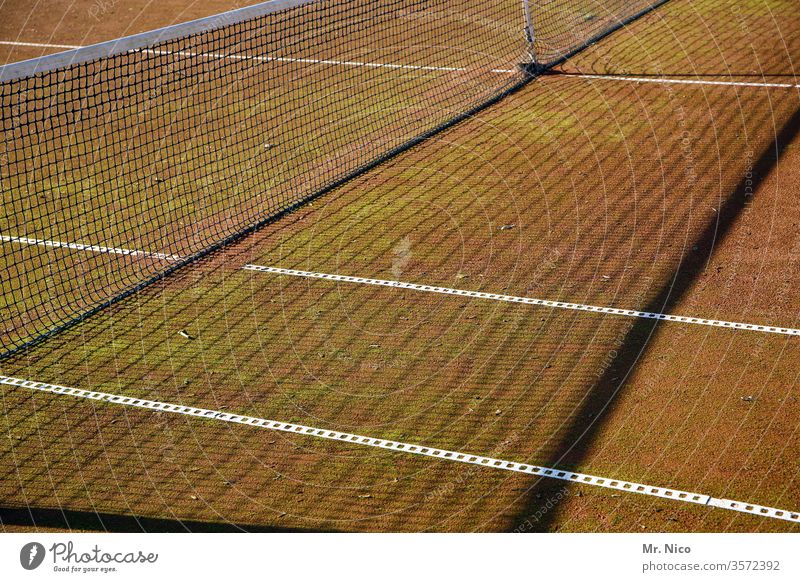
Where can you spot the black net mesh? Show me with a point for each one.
(150, 158)
(562, 27)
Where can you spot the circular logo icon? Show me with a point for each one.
(31, 555)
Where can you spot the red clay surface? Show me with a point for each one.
(613, 193)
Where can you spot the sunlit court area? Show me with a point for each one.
(400, 266)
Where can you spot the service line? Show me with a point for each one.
(669, 81)
(369, 64)
(426, 288)
(528, 300)
(267, 59)
(410, 448)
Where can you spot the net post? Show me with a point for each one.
(532, 66)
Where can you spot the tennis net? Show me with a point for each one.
(123, 161)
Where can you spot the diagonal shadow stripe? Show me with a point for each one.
(580, 435)
(71, 520)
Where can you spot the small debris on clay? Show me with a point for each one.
(748, 398)
(194, 497)
(498, 412)
(507, 226)
(185, 334)
(365, 496)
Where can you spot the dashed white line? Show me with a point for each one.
(83, 247)
(427, 288)
(528, 300)
(410, 448)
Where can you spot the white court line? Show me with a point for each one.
(315, 61)
(266, 59)
(666, 81)
(428, 288)
(39, 44)
(528, 300)
(627, 79)
(82, 247)
(411, 448)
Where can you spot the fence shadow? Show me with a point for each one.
(579, 436)
(86, 521)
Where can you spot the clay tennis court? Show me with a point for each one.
(653, 172)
